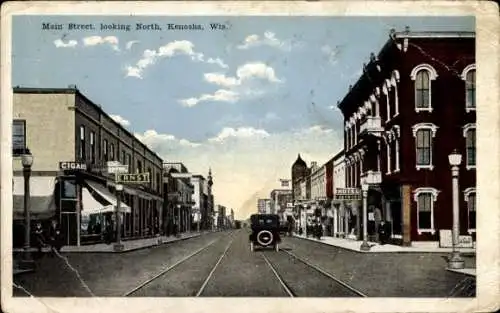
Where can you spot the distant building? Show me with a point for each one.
(262, 205)
(179, 204)
(281, 199)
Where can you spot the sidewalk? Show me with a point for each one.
(420, 247)
(128, 245)
(354, 245)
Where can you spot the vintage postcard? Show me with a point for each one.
(251, 156)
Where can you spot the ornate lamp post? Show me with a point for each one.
(178, 219)
(455, 262)
(364, 188)
(27, 162)
(118, 245)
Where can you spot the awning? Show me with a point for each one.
(42, 202)
(90, 205)
(106, 195)
(136, 192)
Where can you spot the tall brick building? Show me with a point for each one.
(412, 106)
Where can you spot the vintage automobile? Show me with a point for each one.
(265, 231)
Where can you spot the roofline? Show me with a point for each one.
(76, 91)
(436, 34)
(410, 34)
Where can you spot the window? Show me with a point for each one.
(105, 150)
(424, 147)
(129, 162)
(82, 153)
(92, 147)
(423, 74)
(150, 177)
(425, 198)
(470, 89)
(470, 198)
(158, 182)
(469, 76)
(424, 134)
(139, 167)
(470, 144)
(112, 152)
(123, 157)
(422, 90)
(18, 137)
(388, 152)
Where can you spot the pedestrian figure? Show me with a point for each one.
(55, 237)
(382, 233)
(39, 239)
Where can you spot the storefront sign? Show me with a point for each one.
(348, 194)
(72, 166)
(446, 241)
(133, 178)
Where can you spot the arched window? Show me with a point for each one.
(470, 198)
(422, 89)
(469, 76)
(423, 74)
(470, 145)
(425, 198)
(424, 134)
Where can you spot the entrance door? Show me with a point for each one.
(69, 228)
(396, 218)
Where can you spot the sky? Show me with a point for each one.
(244, 100)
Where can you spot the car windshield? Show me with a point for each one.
(264, 220)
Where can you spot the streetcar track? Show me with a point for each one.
(202, 288)
(318, 269)
(171, 267)
(278, 276)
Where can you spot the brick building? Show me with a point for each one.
(63, 125)
(412, 106)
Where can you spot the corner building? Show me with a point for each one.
(63, 125)
(412, 106)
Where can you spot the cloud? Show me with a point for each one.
(235, 87)
(171, 49)
(331, 53)
(247, 162)
(269, 39)
(98, 40)
(221, 95)
(120, 120)
(61, 44)
(130, 44)
(271, 116)
(242, 132)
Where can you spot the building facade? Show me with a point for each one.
(199, 199)
(280, 200)
(74, 144)
(179, 202)
(342, 214)
(402, 122)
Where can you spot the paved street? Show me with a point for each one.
(221, 264)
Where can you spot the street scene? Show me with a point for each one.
(243, 157)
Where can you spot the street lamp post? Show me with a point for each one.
(365, 246)
(118, 245)
(178, 219)
(455, 262)
(27, 162)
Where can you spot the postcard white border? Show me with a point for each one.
(488, 170)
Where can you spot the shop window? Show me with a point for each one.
(18, 137)
(425, 198)
(92, 147)
(68, 189)
(112, 152)
(105, 150)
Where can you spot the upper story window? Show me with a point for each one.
(123, 160)
(129, 162)
(139, 167)
(92, 147)
(112, 152)
(425, 197)
(470, 198)
(470, 145)
(105, 150)
(82, 153)
(469, 76)
(18, 137)
(424, 134)
(423, 74)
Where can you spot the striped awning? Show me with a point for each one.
(108, 196)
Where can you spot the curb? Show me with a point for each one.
(461, 273)
(359, 251)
